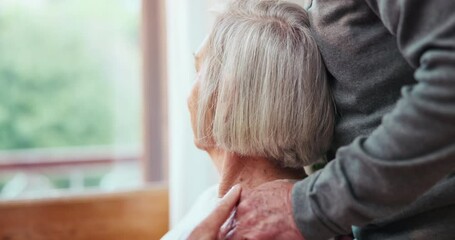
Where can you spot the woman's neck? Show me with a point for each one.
(249, 172)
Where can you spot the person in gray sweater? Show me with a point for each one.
(395, 179)
(392, 68)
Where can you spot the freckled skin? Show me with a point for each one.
(246, 228)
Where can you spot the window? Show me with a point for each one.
(70, 96)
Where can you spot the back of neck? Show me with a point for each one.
(250, 172)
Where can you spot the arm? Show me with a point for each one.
(412, 149)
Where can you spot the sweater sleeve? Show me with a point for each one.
(412, 149)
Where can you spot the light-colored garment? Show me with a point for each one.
(203, 206)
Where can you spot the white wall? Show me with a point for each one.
(190, 169)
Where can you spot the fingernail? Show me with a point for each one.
(233, 189)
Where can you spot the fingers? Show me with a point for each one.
(209, 228)
(223, 211)
(266, 213)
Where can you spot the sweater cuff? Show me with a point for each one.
(305, 211)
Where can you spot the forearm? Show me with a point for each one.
(356, 188)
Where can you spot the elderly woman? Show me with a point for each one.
(260, 106)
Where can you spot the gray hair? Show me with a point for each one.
(264, 90)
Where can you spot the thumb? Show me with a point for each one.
(209, 227)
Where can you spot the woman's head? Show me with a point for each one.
(262, 88)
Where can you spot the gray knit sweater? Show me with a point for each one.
(393, 68)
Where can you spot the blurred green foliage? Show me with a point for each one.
(56, 71)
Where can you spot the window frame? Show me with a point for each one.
(155, 114)
(154, 156)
